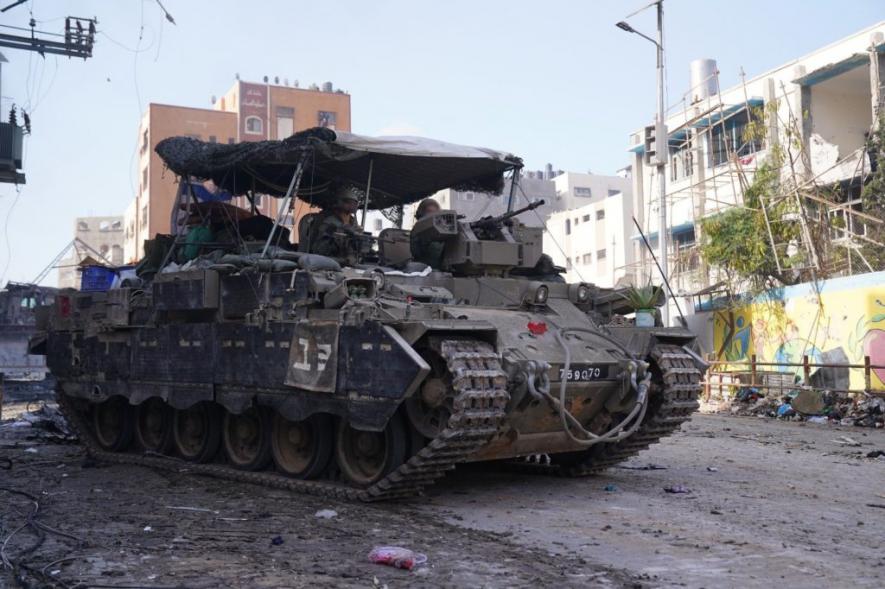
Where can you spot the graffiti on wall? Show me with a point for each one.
(835, 321)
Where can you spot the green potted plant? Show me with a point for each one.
(644, 302)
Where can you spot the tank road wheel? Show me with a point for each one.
(430, 407)
(112, 423)
(366, 457)
(246, 438)
(197, 431)
(302, 449)
(153, 425)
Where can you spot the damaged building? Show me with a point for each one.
(822, 106)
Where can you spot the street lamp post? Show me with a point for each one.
(662, 149)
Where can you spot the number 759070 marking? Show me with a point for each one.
(580, 374)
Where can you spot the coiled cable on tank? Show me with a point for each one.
(569, 421)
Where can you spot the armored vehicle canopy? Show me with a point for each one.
(394, 170)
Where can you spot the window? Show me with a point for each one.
(467, 196)
(613, 192)
(144, 216)
(378, 225)
(285, 121)
(588, 258)
(82, 226)
(682, 160)
(600, 255)
(577, 220)
(103, 250)
(213, 139)
(728, 138)
(144, 141)
(254, 126)
(28, 302)
(104, 226)
(568, 226)
(600, 214)
(144, 179)
(583, 191)
(327, 119)
(568, 263)
(585, 218)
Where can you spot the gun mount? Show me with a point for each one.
(491, 246)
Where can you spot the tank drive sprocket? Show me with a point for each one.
(679, 384)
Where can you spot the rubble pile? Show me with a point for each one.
(811, 405)
(46, 423)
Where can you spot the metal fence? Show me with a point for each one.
(757, 376)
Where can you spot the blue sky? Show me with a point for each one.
(551, 81)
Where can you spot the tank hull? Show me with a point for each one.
(434, 383)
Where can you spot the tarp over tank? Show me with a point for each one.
(404, 169)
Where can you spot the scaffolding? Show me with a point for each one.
(715, 180)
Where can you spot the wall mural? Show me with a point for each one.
(833, 321)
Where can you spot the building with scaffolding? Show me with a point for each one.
(99, 239)
(819, 108)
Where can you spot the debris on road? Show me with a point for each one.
(677, 489)
(611, 489)
(45, 423)
(846, 441)
(326, 514)
(396, 556)
(811, 405)
(276, 540)
(648, 466)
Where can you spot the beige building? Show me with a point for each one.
(247, 112)
(104, 235)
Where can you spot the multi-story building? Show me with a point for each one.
(588, 238)
(104, 235)
(820, 107)
(247, 112)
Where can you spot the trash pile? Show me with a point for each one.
(46, 423)
(813, 406)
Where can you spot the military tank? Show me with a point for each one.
(364, 378)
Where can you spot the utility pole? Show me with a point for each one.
(661, 146)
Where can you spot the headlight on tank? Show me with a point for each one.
(541, 295)
(580, 293)
(583, 294)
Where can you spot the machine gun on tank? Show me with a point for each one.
(493, 224)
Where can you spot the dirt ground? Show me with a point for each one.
(769, 503)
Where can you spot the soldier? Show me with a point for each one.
(424, 250)
(336, 219)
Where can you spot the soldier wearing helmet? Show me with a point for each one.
(329, 233)
(424, 250)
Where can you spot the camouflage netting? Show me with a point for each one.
(404, 169)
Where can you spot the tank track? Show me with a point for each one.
(680, 387)
(480, 397)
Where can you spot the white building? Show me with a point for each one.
(827, 99)
(104, 235)
(585, 216)
(589, 237)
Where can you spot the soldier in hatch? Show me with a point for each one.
(329, 233)
(424, 250)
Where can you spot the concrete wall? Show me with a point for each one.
(843, 323)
